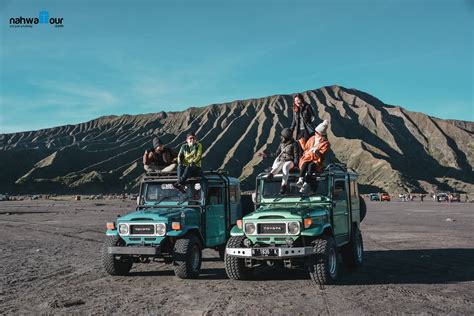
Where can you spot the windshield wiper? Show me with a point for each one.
(185, 200)
(278, 198)
(164, 198)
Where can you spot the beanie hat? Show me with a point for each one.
(322, 128)
(286, 133)
(157, 142)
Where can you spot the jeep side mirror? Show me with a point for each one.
(254, 197)
(138, 200)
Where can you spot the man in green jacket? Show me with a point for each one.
(189, 161)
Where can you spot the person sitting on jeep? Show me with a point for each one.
(189, 161)
(159, 158)
(287, 157)
(312, 159)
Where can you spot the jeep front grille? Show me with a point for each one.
(271, 228)
(143, 229)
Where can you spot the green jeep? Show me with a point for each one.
(300, 230)
(172, 226)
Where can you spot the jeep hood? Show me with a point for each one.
(162, 214)
(286, 212)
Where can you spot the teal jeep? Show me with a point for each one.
(300, 231)
(172, 226)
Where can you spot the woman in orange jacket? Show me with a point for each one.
(312, 158)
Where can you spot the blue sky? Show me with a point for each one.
(117, 57)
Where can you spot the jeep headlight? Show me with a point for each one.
(293, 228)
(123, 229)
(161, 229)
(249, 228)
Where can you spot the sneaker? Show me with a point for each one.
(284, 189)
(300, 182)
(304, 188)
(269, 176)
(179, 187)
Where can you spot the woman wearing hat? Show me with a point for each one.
(287, 156)
(312, 159)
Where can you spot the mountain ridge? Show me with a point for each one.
(393, 149)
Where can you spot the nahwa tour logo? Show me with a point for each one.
(43, 18)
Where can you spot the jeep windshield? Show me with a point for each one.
(270, 189)
(156, 193)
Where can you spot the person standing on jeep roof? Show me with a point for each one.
(312, 159)
(303, 118)
(159, 158)
(189, 161)
(287, 157)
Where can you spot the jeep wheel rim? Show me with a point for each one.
(195, 258)
(332, 262)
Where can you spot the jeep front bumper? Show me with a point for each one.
(134, 250)
(271, 252)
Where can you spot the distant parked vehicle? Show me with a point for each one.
(4, 197)
(441, 197)
(374, 197)
(454, 197)
(385, 197)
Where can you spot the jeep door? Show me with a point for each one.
(215, 215)
(341, 211)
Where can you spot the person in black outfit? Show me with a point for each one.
(286, 158)
(304, 120)
(159, 158)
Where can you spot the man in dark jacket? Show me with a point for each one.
(286, 158)
(159, 158)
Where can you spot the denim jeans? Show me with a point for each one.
(185, 172)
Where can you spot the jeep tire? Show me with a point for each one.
(234, 266)
(323, 265)
(113, 264)
(362, 208)
(187, 257)
(353, 253)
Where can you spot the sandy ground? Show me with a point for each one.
(415, 261)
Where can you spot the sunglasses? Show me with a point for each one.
(191, 138)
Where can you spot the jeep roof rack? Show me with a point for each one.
(170, 175)
(333, 166)
(330, 169)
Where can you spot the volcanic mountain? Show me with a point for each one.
(392, 149)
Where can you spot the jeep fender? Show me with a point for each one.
(111, 232)
(183, 231)
(187, 230)
(236, 231)
(317, 230)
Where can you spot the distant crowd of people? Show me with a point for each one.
(304, 153)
